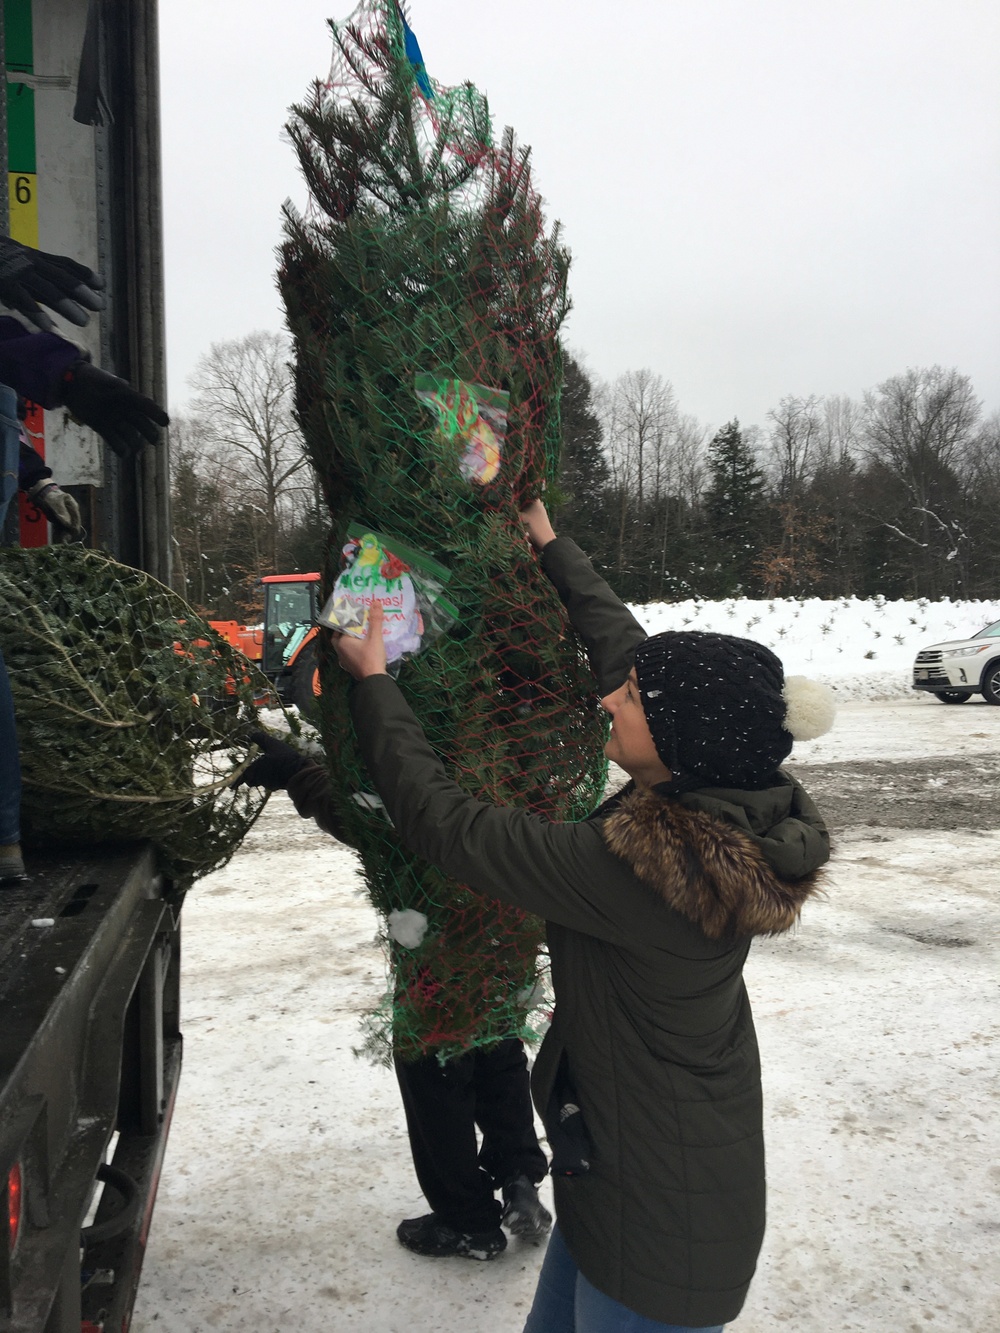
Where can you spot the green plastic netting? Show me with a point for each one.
(425, 296)
(132, 712)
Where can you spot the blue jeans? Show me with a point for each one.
(10, 771)
(565, 1302)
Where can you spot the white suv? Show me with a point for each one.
(958, 670)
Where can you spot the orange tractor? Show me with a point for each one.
(284, 647)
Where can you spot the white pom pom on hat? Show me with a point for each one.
(809, 707)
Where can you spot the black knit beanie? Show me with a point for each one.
(715, 707)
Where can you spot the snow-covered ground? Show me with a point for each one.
(864, 649)
(288, 1167)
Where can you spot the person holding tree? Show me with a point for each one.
(648, 1080)
(445, 1101)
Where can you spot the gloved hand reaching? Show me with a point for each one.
(273, 769)
(59, 508)
(31, 278)
(125, 418)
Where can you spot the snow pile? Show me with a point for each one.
(864, 649)
(408, 927)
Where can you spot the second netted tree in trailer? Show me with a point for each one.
(132, 712)
(425, 298)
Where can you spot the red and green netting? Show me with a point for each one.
(132, 712)
(425, 297)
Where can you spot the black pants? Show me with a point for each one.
(444, 1104)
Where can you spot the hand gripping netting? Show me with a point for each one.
(132, 713)
(425, 298)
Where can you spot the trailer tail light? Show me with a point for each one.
(14, 1201)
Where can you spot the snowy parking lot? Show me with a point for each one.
(288, 1168)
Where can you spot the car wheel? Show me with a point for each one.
(304, 688)
(954, 696)
(991, 685)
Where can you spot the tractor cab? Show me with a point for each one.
(289, 614)
(289, 659)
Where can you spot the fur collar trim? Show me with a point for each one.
(712, 873)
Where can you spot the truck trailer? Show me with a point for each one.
(90, 1045)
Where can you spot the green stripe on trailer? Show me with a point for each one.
(19, 36)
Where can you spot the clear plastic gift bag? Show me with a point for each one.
(472, 420)
(407, 583)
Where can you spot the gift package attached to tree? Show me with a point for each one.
(425, 294)
(407, 583)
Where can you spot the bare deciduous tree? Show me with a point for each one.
(641, 428)
(793, 444)
(243, 398)
(842, 433)
(919, 428)
(921, 422)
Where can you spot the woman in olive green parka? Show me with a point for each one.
(648, 1080)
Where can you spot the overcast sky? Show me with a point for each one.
(762, 197)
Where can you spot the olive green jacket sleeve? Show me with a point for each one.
(610, 634)
(562, 872)
(609, 630)
(309, 789)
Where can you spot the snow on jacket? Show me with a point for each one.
(650, 906)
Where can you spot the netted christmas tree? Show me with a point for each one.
(132, 712)
(425, 298)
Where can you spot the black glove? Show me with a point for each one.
(109, 405)
(29, 276)
(59, 508)
(275, 768)
(569, 1141)
(31, 467)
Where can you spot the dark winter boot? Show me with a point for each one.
(524, 1214)
(430, 1236)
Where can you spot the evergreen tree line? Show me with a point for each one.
(897, 494)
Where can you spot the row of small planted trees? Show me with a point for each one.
(897, 494)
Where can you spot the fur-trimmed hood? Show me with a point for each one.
(703, 854)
